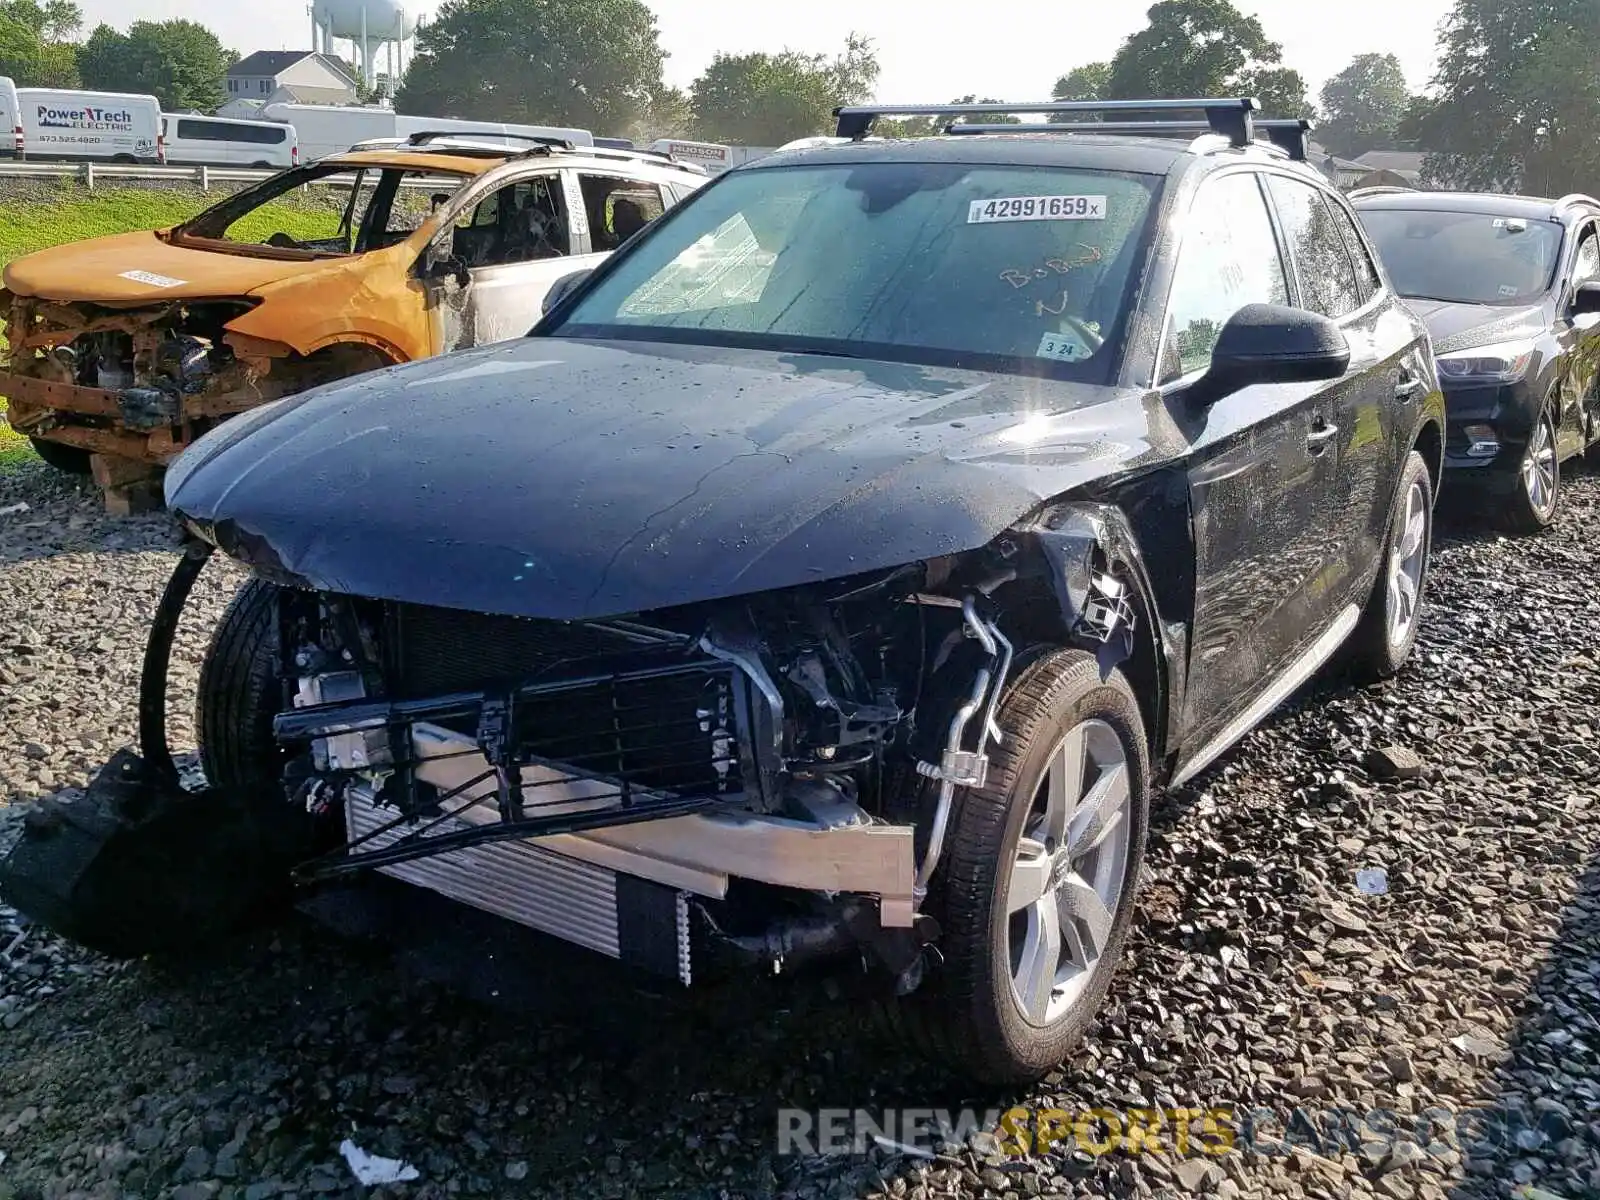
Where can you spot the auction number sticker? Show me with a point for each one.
(1037, 208)
(157, 281)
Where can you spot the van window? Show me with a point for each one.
(618, 208)
(221, 131)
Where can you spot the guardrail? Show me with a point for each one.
(92, 173)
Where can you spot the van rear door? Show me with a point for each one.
(10, 120)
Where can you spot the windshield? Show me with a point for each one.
(1008, 268)
(347, 212)
(1465, 258)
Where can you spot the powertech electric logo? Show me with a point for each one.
(117, 120)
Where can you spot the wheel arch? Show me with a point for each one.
(1429, 443)
(1066, 551)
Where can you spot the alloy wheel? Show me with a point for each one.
(1068, 873)
(1539, 470)
(1408, 559)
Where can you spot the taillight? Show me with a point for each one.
(161, 147)
(22, 140)
(294, 156)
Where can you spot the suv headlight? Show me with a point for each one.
(1505, 362)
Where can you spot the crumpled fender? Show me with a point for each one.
(1108, 602)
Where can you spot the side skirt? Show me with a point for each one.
(1281, 688)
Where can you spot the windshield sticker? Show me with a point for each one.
(159, 281)
(1507, 290)
(1037, 208)
(1063, 347)
(1511, 224)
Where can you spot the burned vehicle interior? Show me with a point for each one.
(386, 205)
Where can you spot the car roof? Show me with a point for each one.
(1145, 155)
(434, 163)
(1495, 204)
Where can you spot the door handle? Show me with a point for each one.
(1319, 437)
(1408, 386)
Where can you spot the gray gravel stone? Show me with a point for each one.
(1255, 966)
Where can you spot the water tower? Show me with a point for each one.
(371, 26)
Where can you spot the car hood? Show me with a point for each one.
(566, 479)
(144, 268)
(1462, 326)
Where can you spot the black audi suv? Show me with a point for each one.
(830, 577)
(1510, 289)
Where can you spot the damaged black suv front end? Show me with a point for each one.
(830, 576)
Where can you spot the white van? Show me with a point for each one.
(225, 142)
(325, 129)
(90, 126)
(10, 120)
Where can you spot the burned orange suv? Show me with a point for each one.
(131, 346)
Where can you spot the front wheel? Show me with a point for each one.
(1536, 493)
(239, 692)
(1035, 892)
(1388, 630)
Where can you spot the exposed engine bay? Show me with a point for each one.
(763, 780)
(139, 383)
(771, 775)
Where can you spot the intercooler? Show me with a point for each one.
(626, 918)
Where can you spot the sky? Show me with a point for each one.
(929, 52)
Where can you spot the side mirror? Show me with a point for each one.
(1586, 298)
(1271, 343)
(447, 266)
(562, 288)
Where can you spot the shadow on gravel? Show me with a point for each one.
(1535, 1123)
(45, 513)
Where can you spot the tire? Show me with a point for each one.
(70, 459)
(239, 692)
(968, 1016)
(1383, 640)
(1536, 492)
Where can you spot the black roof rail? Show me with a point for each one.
(614, 143)
(1231, 117)
(1288, 135)
(423, 136)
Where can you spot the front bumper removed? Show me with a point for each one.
(144, 864)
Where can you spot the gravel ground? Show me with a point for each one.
(1262, 976)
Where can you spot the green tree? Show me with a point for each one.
(35, 46)
(669, 114)
(180, 62)
(769, 99)
(1205, 48)
(591, 64)
(1517, 98)
(1088, 82)
(1362, 105)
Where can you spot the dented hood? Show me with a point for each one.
(143, 268)
(554, 478)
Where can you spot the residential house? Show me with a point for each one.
(1405, 163)
(313, 78)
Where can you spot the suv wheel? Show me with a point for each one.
(1537, 493)
(1035, 890)
(1388, 630)
(239, 693)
